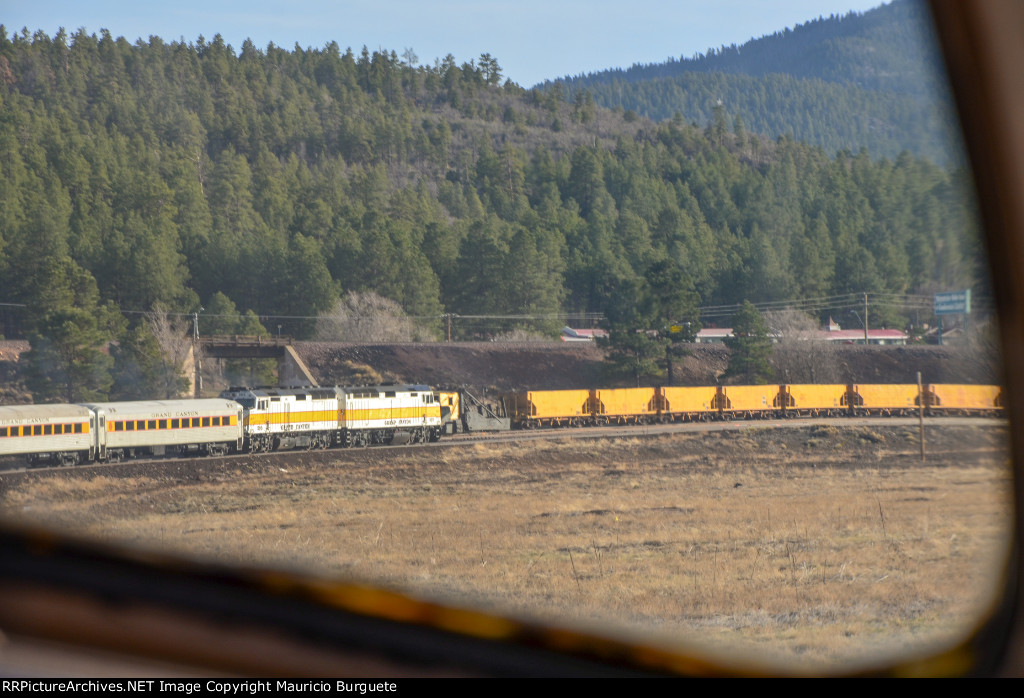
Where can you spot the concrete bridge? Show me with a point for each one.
(291, 370)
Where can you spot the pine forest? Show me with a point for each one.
(266, 184)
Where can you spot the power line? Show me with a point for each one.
(840, 302)
(836, 303)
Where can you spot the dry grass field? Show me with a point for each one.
(817, 543)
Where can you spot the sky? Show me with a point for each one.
(533, 40)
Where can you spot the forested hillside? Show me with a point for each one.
(860, 80)
(179, 175)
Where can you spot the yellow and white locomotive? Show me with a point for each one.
(282, 418)
(378, 414)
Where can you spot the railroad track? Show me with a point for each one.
(557, 434)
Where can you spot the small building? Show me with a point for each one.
(713, 335)
(832, 332)
(881, 337)
(571, 335)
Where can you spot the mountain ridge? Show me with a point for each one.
(869, 79)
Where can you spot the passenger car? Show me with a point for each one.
(247, 622)
(159, 427)
(59, 432)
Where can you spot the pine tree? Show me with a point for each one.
(749, 347)
(635, 350)
(68, 361)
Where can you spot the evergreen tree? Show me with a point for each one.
(71, 330)
(175, 171)
(750, 346)
(67, 362)
(635, 351)
(675, 312)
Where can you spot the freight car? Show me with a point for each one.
(813, 400)
(884, 400)
(746, 401)
(964, 399)
(686, 404)
(622, 405)
(549, 408)
(539, 408)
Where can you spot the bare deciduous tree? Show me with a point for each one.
(368, 318)
(174, 336)
(801, 354)
(982, 351)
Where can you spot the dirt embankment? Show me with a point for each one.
(557, 366)
(484, 366)
(477, 365)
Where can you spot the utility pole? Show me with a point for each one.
(865, 319)
(196, 354)
(448, 318)
(920, 402)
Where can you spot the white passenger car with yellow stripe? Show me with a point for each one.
(48, 433)
(166, 427)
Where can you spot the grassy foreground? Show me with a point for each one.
(817, 543)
